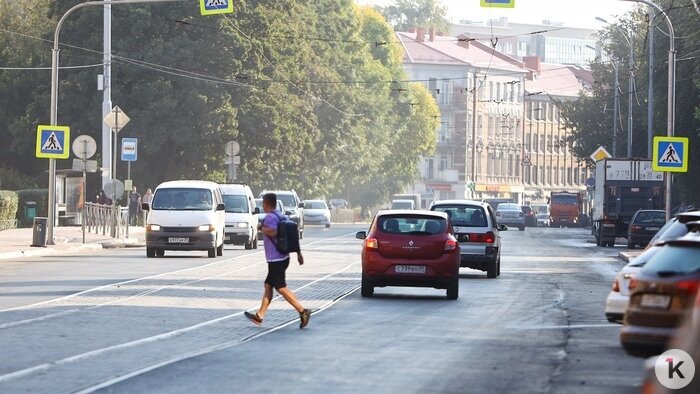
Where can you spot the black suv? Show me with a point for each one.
(293, 206)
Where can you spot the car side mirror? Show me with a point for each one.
(361, 235)
(220, 207)
(288, 213)
(145, 206)
(502, 227)
(302, 205)
(256, 211)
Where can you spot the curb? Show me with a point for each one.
(48, 251)
(123, 243)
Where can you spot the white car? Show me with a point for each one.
(619, 297)
(241, 219)
(317, 212)
(185, 215)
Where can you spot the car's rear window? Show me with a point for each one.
(464, 215)
(411, 225)
(674, 260)
(508, 207)
(649, 217)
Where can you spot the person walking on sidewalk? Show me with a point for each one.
(134, 206)
(277, 264)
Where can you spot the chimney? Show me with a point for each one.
(463, 40)
(420, 34)
(431, 33)
(532, 62)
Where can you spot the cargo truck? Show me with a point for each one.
(404, 204)
(623, 186)
(565, 208)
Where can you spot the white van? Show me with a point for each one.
(241, 215)
(185, 215)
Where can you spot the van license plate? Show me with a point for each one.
(178, 240)
(410, 269)
(656, 301)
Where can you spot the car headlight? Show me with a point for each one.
(153, 227)
(206, 227)
(241, 224)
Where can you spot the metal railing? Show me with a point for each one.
(99, 219)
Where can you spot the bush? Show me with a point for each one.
(8, 205)
(40, 197)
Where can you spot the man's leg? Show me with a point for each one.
(291, 298)
(265, 303)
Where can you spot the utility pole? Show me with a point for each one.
(107, 96)
(616, 108)
(630, 84)
(650, 95)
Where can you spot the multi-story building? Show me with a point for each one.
(552, 42)
(488, 155)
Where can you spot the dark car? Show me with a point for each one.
(675, 228)
(410, 248)
(663, 292)
(530, 216)
(644, 224)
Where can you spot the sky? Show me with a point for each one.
(573, 13)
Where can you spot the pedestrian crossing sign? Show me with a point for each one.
(52, 142)
(670, 154)
(213, 7)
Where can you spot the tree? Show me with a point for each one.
(407, 14)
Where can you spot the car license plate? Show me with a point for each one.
(178, 240)
(652, 228)
(410, 269)
(656, 301)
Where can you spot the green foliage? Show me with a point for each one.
(407, 14)
(277, 77)
(39, 196)
(8, 205)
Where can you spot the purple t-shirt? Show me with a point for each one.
(272, 219)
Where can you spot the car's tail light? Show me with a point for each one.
(450, 245)
(688, 286)
(371, 243)
(632, 284)
(635, 228)
(489, 237)
(616, 286)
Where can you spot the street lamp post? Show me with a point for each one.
(54, 98)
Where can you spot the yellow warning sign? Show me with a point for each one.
(600, 154)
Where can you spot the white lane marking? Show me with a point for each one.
(154, 338)
(210, 349)
(564, 327)
(153, 277)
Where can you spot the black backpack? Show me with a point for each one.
(287, 235)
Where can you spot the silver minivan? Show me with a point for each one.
(241, 215)
(475, 227)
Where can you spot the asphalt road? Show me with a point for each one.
(118, 322)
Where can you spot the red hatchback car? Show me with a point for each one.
(410, 248)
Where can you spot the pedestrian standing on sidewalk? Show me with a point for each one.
(277, 264)
(147, 199)
(134, 206)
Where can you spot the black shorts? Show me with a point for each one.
(276, 273)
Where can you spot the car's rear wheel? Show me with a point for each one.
(498, 270)
(255, 243)
(211, 252)
(160, 252)
(631, 245)
(521, 228)
(150, 252)
(249, 245)
(220, 250)
(492, 271)
(367, 289)
(328, 225)
(453, 289)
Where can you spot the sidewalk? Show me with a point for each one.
(16, 243)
